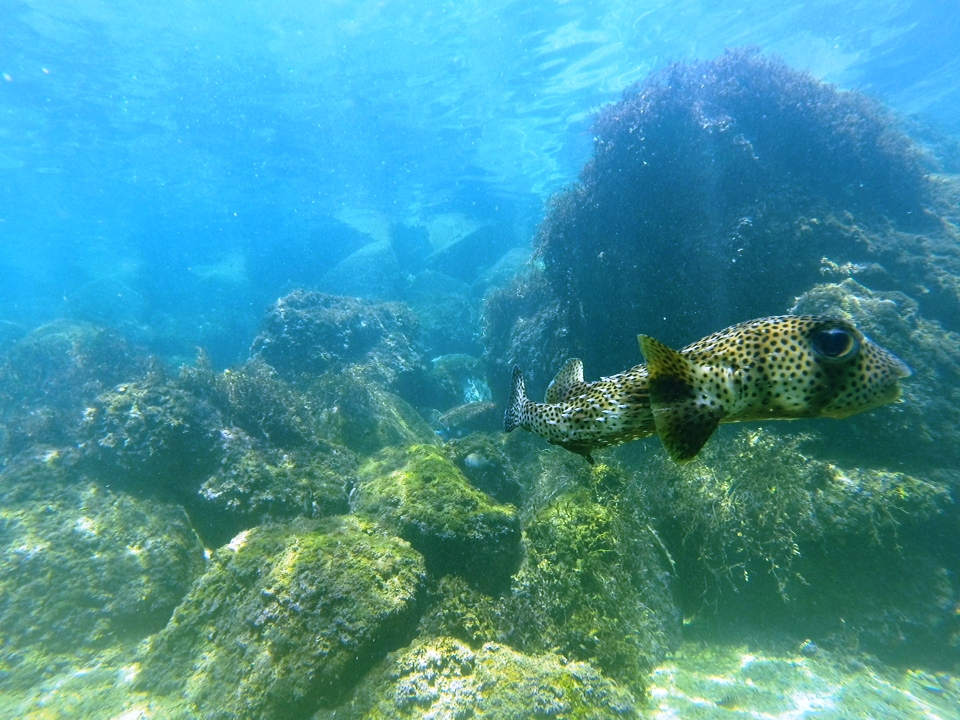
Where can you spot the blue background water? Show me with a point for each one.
(173, 166)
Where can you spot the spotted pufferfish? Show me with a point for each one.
(773, 368)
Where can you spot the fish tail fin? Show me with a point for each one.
(513, 417)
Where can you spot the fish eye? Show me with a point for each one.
(835, 344)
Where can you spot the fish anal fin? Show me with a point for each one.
(563, 385)
(685, 418)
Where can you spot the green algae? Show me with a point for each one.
(84, 568)
(593, 587)
(286, 619)
(419, 493)
(443, 678)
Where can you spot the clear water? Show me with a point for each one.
(169, 150)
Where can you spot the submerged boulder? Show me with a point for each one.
(49, 376)
(361, 415)
(287, 618)
(420, 494)
(83, 567)
(312, 332)
(714, 191)
(444, 678)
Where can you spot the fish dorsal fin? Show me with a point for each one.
(569, 377)
(684, 416)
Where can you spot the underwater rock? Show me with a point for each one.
(48, 377)
(151, 433)
(923, 431)
(360, 415)
(449, 313)
(372, 272)
(311, 332)
(472, 417)
(466, 257)
(424, 497)
(411, 245)
(453, 380)
(763, 533)
(83, 567)
(707, 201)
(444, 678)
(286, 619)
(594, 586)
(256, 483)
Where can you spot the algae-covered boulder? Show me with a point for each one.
(83, 567)
(287, 618)
(595, 586)
(152, 433)
(48, 377)
(361, 415)
(419, 493)
(311, 332)
(256, 483)
(444, 678)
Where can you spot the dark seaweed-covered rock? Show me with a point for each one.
(424, 497)
(858, 552)
(82, 567)
(286, 619)
(256, 483)
(48, 377)
(151, 433)
(443, 678)
(311, 332)
(711, 198)
(236, 448)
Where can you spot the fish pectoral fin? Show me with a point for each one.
(685, 419)
(684, 428)
(569, 377)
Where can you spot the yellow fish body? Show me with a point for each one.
(774, 368)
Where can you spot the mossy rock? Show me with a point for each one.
(595, 586)
(256, 483)
(287, 618)
(84, 568)
(363, 417)
(152, 433)
(444, 678)
(424, 497)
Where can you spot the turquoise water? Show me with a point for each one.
(267, 267)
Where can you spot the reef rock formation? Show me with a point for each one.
(714, 193)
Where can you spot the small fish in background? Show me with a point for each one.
(774, 368)
(470, 417)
